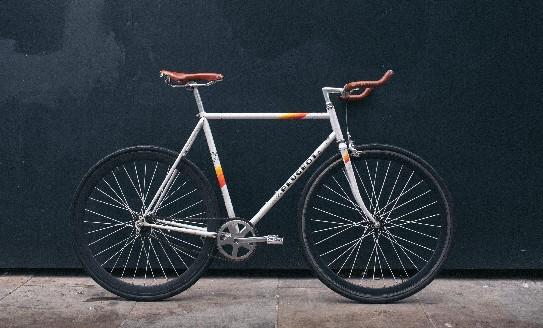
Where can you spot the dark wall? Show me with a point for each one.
(79, 79)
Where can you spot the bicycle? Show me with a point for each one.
(375, 221)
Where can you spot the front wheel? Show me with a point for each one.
(376, 264)
(142, 263)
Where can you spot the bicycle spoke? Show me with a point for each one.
(418, 232)
(175, 250)
(372, 183)
(109, 204)
(395, 237)
(133, 185)
(334, 249)
(403, 249)
(343, 197)
(104, 223)
(417, 222)
(158, 259)
(353, 246)
(355, 258)
(368, 263)
(121, 189)
(139, 184)
(177, 189)
(331, 222)
(359, 243)
(407, 202)
(146, 262)
(186, 208)
(332, 214)
(344, 193)
(104, 216)
(348, 256)
(180, 240)
(139, 257)
(338, 226)
(335, 234)
(110, 247)
(386, 261)
(176, 247)
(151, 182)
(165, 253)
(118, 199)
(383, 184)
(393, 187)
(377, 257)
(167, 192)
(143, 182)
(120, 250)
(413, 211)
(178, 198)
(338, 203)
(128, 257)
(109, 234)
(398, 256)
(109, 227)
(184, 219)
(411, 242)
(401, 193)
(363, 185)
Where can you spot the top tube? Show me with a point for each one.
(265, 116)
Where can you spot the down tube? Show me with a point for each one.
(290, 182)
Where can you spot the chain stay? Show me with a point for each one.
(192, 251)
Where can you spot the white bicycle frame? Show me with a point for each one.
(336, 135)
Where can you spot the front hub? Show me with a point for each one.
(379, 221)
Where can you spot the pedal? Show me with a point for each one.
(274, 240)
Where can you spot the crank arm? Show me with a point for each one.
(270, 240)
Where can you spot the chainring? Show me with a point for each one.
(227, 244)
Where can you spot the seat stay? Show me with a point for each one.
(168, 180)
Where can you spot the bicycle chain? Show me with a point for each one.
(215, 250)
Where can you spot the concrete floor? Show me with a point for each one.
(76, 301)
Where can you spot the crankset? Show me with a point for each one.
(237, 240)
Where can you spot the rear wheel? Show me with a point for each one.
(147, 263)
(402, 255)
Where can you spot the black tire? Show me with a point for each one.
(407, 252)
(123, 182)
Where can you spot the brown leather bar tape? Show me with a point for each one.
(369, 84)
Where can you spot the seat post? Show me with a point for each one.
(198, 100)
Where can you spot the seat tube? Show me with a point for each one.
(218, 170)
(344, 152)
(214, 156)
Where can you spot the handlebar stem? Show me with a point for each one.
(326, 91)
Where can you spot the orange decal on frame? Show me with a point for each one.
(346, 157)
(293, 116)
(220, 176)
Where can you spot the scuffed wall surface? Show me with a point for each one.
(79, 79)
